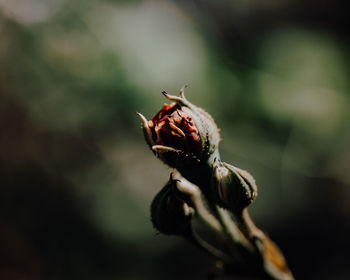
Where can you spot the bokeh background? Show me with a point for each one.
(76, 178)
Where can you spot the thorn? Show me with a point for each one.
(146, 128)
(163, 149)
(143, 119)
(182, 91)
(173, 98)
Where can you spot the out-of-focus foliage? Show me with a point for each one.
(77, 179)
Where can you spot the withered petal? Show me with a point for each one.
(177, 130)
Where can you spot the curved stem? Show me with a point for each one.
(203, 244)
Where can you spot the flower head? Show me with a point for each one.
(173, 126)
(181, 132)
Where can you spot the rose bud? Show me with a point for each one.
(170, 213)
(232, 188)
(183, 136)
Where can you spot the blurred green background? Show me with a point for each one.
(76, 177)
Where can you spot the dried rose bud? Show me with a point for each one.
(233, 188)
(170, 213)
(173, 126)
(182, 134)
